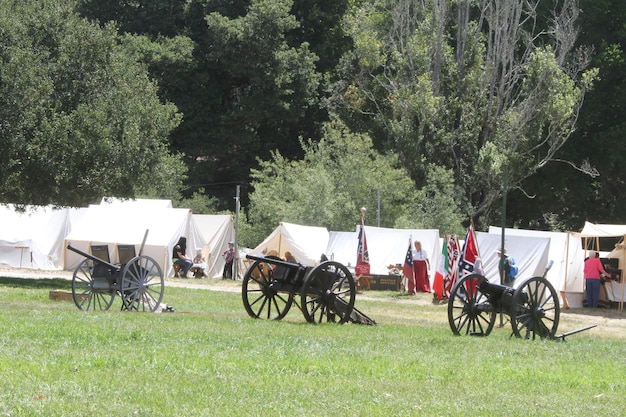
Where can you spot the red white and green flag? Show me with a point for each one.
(442, 269)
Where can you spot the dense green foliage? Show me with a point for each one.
(482, 88)
(471, 97)
(565, 198)
(79, 117)
(335, 178)
(250, 88)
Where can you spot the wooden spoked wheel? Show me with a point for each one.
(142, 284)
(535, 309)
(469, 310)
(328, 294)
(91, 293)
(260, 293)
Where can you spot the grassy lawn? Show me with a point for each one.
(210, 359)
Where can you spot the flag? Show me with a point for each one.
(362, 256)
(407, 269)
(452, 271)
(442, 268)
(469, 254)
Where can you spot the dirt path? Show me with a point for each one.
(610, 322)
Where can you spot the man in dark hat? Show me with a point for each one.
(504, 267)
(229, 257)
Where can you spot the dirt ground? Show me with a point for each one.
(610, 322)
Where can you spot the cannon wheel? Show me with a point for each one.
(328, 293)
(259, 294)
(142, 284)
(535, 309)
(85, 296)
(469, 310)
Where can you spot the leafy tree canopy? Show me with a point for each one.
(489, 89)
(79, 117)
(336, 177)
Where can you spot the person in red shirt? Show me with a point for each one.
(593, 271)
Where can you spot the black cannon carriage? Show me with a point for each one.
(324, 293)
(533, 307)
(138, 280)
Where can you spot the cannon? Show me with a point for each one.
(533, 307)
(138, 280)
(324, 293)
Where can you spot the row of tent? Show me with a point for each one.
(387, 248)
(38, 236)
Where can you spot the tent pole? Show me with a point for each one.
(502, 243)
(236, 261)
(621, 301)
(563, 293)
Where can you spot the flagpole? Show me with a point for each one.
(502, 273)
(474, 233)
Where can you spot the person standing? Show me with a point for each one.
(593, 271)
(179, 256)
(421, 265)
(504, 268)
(229, 257)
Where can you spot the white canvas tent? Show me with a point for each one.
(565, 251)
(34, 238)
(216, 231)
(306, 243)
(125, 222)
(596, 231)
(530, 254)
(385, 246)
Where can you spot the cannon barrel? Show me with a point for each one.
(496, 293)
(113, 267)
(272, 260)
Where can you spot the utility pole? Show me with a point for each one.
(378, 212)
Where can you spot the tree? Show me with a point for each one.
(79, 117)
(490, 89)
(245, 83)
(565, 199)
(336, 177)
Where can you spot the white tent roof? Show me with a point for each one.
(385, 246)
(602, 230)
(617, 290)
(216, 231)
(306, 243)
(126, 223)
(145, 203)
(566, 252)
(34, 238)
(530, 254)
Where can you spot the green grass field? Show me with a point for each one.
(210, 359)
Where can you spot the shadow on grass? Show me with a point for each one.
(45, 283)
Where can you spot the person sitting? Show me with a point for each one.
(199, 268)
(289, 258)
(180, 258)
